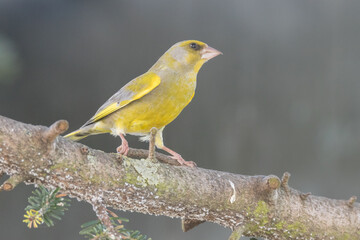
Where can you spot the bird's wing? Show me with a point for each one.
(132, 91)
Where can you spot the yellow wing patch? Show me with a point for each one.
(103, 113)
(132, 91)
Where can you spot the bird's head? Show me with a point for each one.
(188, 55)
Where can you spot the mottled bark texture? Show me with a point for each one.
(250, 205)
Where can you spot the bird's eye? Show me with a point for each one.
(194, 46)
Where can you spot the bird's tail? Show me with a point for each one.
(78, 134)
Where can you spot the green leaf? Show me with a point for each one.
(94, 229)
(87, 224)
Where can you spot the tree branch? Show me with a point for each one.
(250, 205)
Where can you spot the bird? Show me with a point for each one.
(153, 99)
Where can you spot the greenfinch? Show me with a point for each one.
(154, 99)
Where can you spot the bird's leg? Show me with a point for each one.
(124, 147)
(160, 144)
(153, 132)
(178, 157)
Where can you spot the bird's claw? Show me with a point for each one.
(182, 161)
(123, 149)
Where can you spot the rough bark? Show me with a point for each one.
(250, 205)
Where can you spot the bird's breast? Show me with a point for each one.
(156, 109)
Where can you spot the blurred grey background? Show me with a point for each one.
(284, 96)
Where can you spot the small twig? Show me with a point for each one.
(12, 182)
(84, 150)
(237, 233)
(351, 201)
(151, 155)
(188, 224)
(304, 196)
(101, 213)
(119, 157)
(285, 181)
(55, 130)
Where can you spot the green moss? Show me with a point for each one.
(261, 212)
(347, 236)
(258, 217)
(237, 233)
(279, 225)
(84, 173)
(235, 236)
(296, 229)
(63, 165)
(162, 188)
(261, 224)
(91, 178)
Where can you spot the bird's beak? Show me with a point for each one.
(208, 53)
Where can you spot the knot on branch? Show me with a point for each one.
(269, 185)
(84, 150)
(351, 201)
(55, 130)
(304, 196)
(271, 182)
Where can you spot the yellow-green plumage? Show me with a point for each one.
(153, 99)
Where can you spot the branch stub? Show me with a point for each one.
(55, 130)
(285, 181)
(351, 201)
